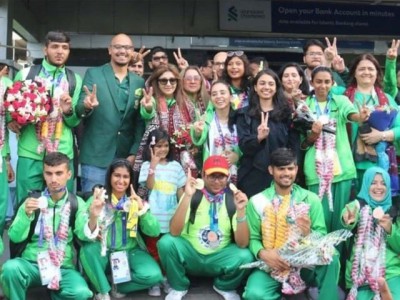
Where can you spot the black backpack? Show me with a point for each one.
(35, 70)
(16, 249)
(195, 202)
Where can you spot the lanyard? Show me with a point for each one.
(54, 82)
(46, 193)
(327, 110)
(221, 134)
(215, 202)
(119, 207)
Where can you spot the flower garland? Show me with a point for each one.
(369, 255)
(275, 229)
(56, 244)
(324, 162)
(2, 122)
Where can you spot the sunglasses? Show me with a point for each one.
(165, 81)
(158, 58)
(235, 53)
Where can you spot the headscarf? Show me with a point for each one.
(369, 176)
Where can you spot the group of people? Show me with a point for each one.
(201, 170)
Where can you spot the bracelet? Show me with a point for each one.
(241, 220)
(383, 136)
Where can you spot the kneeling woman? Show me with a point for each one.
(114, 218)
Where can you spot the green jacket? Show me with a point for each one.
(256, 206)
(110, 133)
(19, 230)
(392, 257)
(28, 142)
(148, 224)
(6, 148)
(203, 139)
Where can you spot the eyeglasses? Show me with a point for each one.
(235, 53)
(192, 78)
(315, 53)
(165, 81)
(120, 47)
(158, 58)
(217, 177)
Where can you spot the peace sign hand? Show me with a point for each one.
(135, 197)
(338, 64)
(155, 159)
(182, 63)
(331, 50)
(90, 101)
(393, 50)
(349, 216)
(98, 202)
(263, 129)
(198, 127)
(146, 100)
(139, 56)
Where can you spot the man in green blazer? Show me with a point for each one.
(109, 106)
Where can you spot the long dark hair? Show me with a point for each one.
(245, 82)
(158, 135)
(118, 163)
(281, 109)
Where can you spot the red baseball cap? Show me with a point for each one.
(216, 164)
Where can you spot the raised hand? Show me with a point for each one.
(263, 129)
(190, 187)
(198, 127)
(146, 101)
(304, 224)
(135, 197)
(393, 50)
(66, 103)
(349, 216)
(338, 64)
(141, 54)
(97, 203)
(155, 159)
(31, 204)
(331, 50)
(90, 101)
(240, 199)
(180, 60)
(386, 223)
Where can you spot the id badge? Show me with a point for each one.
(46, 269)
(120, 267)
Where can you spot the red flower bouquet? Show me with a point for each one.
(27, 102)
(183, 143)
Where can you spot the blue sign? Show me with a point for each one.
(333, 18)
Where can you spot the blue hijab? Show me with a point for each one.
(369, 176)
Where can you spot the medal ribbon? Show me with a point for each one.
(221, 134)
(215, 201)
(119, 206)
(327, 110)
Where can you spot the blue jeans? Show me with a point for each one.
(92, 175)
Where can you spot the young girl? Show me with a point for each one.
(376, 246)
(217, 133)
(165, 179)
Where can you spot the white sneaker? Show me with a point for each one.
(175, 295)
(102, 296)
(166, 287)
(117, 295)
(154, 291)
(227, 295)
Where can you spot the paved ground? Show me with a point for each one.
(200, 289)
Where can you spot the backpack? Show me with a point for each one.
(195, 202)
(16, 249)
(35, 70)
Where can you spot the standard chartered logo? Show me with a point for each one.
(232, 14)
